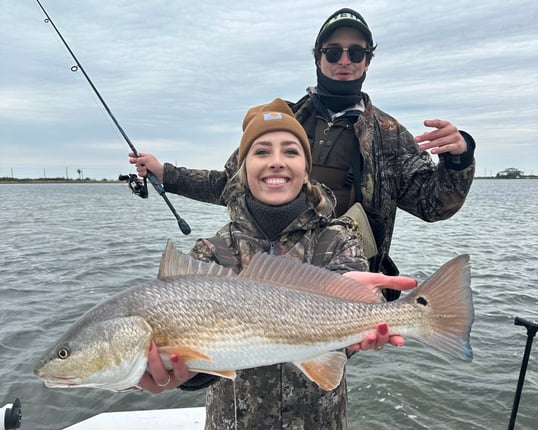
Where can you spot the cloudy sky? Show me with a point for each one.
(179, 76)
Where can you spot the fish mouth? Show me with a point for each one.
(59, 382)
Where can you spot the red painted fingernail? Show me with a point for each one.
(383, 329)
(174, 358)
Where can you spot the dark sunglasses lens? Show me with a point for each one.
(334, 53)
(356, 54)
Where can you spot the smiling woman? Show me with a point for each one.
(275, 161)
(276, 154)
(275, 168)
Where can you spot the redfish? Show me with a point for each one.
(275, 311)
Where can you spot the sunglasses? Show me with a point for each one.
(355, 53)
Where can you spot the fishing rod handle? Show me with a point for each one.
(183, 226)
(155, 182)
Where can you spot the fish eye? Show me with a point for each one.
(63, 353)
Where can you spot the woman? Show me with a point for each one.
(275, 208)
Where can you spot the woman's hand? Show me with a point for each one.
(159, 378)
(379, 337)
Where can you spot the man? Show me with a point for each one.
(363, 154)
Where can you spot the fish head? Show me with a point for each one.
(109, 354)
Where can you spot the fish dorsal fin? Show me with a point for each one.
(292, 274)
(175, 263)
(326, 370)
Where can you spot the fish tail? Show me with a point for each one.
(446, 301)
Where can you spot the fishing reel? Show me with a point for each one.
(11, 416)
(137, 185)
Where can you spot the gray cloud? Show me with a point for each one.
(179, 76)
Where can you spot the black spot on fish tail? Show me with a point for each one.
(422, 301)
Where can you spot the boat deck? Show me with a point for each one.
(181, 418)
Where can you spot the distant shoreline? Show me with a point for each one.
(115, 181)
(58, 181)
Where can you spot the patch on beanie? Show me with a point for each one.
(267, 116)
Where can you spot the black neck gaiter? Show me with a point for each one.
(273, 219)
(339, 95)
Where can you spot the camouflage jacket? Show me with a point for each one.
(395, 173)
(280, 396)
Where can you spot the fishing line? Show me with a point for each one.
(183, 226)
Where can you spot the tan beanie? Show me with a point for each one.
(274, 116)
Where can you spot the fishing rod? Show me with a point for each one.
(531, 332)
(183, 226)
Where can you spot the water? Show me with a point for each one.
(65, 247)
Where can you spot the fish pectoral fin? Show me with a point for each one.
(190, 354)
(326, 370)
(228, 374)
(185, 352)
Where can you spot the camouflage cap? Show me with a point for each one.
(344, 18)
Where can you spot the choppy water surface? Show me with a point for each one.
(65, 247)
